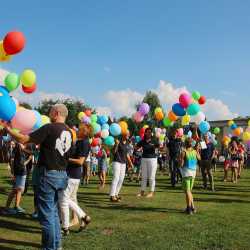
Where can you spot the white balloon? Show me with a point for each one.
(104, 133)
(198, 118)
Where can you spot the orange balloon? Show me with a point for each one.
(237, 132)
(172, 116)
(159, 116)
(73, 134)
(124, 127)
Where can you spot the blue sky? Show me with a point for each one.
(87, 48)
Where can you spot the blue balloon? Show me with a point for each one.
(189, 134)
(137, 139)
(115, 129)
(204, 127)
(105, 126)
(178, 109)
(110, 141)
(7, 105)
(38, 123)
(4, 89)
(103, 119)
(234, 126)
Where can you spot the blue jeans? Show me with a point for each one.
(51, 182)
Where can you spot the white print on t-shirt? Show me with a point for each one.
(63, 143)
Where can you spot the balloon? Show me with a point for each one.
(216, 130)
(157, 110)
(38, 122)
(159, 116)
(29, 90)
(95, 142)
(96, 127)
(172, 116)
(180, 132)
(204, 127)
(105, 126)
(145, 126)
(24, 120)
(247, 129)
(115, 129)
(3, 56)
(86, 119)
(124, 127)
(230, 123)
(88, 112)
(197, 119)
(234, 126)
(196, 95)
(142, 132)
(11, 81)
(13, 42)
(246, 136)
(110, 141)
(137, 117)
(104, 133)
(167, 122)
(144, 109)
(185, 120)
(93, 118)
(193, 109)
(80, 115)
(185, 100)
(74, 137)
(137, 139)
(45, 119)
(28, 78)
(189, 134)
(4, 90)
(248, 123)
(202, 100)
(7, 105)
(178, 109)
(237, 132)
(103, 119)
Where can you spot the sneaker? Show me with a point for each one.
(119, 198)
(19, 210)
(84, 222)
(113, 199)
(189, 211)
(34, 215)
(194, 210)
(65, 231)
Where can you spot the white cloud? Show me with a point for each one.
(122, 102)
(104, 111)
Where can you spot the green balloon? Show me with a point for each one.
(167, 122)
(93, 118)
(12, 81)
(216, 131)
(159, 109)
(193, 109)
(196, 95)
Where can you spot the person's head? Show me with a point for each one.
(58, 113)
(188, 143)
(234, 144)
(206, 138)
(84, 131)
(148, 133)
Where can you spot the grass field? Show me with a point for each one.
(222, 221)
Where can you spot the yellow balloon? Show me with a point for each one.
(185, 120)
(230, 123)
(3, 56)
(28, 78)
(45, 119)
(248, 123)
(73, 134)
(80, 115)
(124, 127)
(145, 126)
(246, 136)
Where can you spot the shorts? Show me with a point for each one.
(94, 168)
(227, 164)
(20, 182)
(103, 168)
(234, 164)
(187, 183)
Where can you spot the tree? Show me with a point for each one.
(25, 105)
(74, 107)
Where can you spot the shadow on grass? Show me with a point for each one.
(219, 200)
(19, 227)
(17, 243)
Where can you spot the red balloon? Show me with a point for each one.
(14, 42)
(87, 112)
(29, 90)
(98, 135)
(202, 100)
(95, 142)
(142, 132)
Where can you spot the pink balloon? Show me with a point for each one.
(24, 120)
(180, 132)
(138, 117)
(185, 100)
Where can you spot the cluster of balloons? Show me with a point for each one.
(246, 134)
(143, 110)
(237, 131)
(160, 134)
(13, 43)
(27, 80)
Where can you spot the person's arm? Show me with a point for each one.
(78, 161)
(28, 160)
(198, 155)
(182, 158)
(129, 161)
(17, 136)
(115, 148)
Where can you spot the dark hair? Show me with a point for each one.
(147, 129)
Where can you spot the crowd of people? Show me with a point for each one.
(58, 165)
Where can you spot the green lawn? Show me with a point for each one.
(222, 221)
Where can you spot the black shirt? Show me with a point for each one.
(55, 141)
(121, 153)
(149, 148)
(20, 157)
(206, 154)
(80, 149)
(175, 147)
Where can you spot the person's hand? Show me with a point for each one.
(117, 142)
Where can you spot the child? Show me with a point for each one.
(102, 166)
(227, 161)
(94, 164)
(233, 150)
(189, 158)
(21, 159)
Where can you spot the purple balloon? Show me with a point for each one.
(144, 109)
(86, 119)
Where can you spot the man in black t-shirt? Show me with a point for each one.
(55, 141)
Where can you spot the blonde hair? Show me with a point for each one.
(61, 109)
